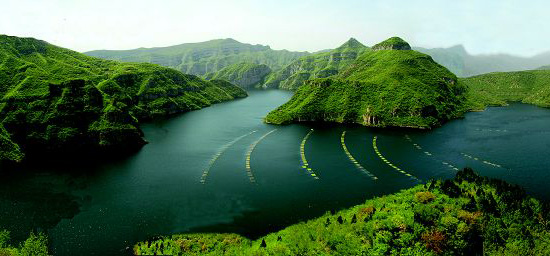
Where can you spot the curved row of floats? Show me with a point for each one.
(309, 170)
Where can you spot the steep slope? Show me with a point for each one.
(460, 62)
(382, 88)
(205, 57)
(58, 100)
(319, 65)
(467, 215)
(531, 87)
(244, 75)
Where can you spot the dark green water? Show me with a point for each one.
(102, 208)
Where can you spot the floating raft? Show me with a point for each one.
(305, 164)
(352, 159)
(482, 161)
(450, 166)
(206, 171)
(251, 148)
(389, 163)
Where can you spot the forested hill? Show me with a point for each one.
(532, 87)
(467, 215)
(205, 57)
(57, 100)
(319, 65)
(390, 85)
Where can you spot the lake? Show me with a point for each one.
(221, 169)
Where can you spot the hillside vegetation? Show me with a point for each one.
(391, 86)
(35, 245)
(53, 99)
(319, 65)
(492, 89)
(205, 57)
(244, 75)
(468, 215)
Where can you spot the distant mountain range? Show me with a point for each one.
(318, 65)
(460, 62)
(289, 68)
(205, 57)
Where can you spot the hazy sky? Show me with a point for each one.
(482, 26)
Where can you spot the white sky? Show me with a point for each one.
(482, 26)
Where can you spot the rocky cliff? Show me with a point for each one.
(244, 75)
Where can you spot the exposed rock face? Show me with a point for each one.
(394, 43)
(244, 75)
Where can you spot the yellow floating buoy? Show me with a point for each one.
(305, 164)
(352, 159)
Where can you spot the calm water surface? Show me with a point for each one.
(221, 169)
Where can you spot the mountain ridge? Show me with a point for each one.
(388, 87)
(202, 58)
(55, 99)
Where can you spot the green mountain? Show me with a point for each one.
(205, 57)
(319, 65)
(531, 87)
(467, 215)
(382, 88)
(544, 68)
(57, 100)
(460, 62)
(245, 75)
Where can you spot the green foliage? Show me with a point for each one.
(54, 99)
(35, 245)
(206, 57)
(393, 43)
(381, 88)
(492, 89)
(245, 75)
(423, 220)
(318, 65)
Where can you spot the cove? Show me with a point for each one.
(102, 208)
